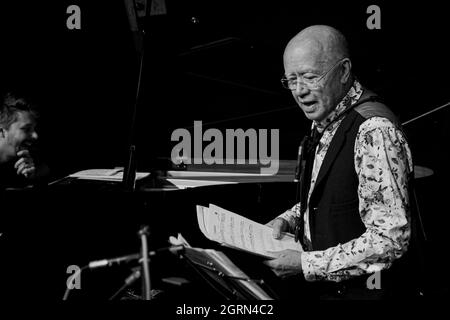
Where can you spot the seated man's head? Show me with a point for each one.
(17, 127)
(317, 70)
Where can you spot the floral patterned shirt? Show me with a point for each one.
(383, 162)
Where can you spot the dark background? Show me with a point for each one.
(85, 80)
(219, 62)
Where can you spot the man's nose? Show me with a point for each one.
(34, 135)
(300, 90)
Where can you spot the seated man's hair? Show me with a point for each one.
(11, 105)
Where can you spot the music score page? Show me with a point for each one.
(239, 232)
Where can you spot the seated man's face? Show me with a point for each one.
(318, 101)
(20, 135)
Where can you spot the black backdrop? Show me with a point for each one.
(84, 81)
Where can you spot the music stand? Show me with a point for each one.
(224, 276)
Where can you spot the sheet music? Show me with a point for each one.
(115, 174)
(186, 183)
(236, 231)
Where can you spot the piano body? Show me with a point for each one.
(76, 221)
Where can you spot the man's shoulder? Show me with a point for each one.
(377, 123)
(375, 114)
(374, 107)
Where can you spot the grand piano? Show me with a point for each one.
(73, 221)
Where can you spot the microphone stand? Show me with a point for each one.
(136, 274)
(129, 175)
(146, 284)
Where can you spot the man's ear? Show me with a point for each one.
(346, 70)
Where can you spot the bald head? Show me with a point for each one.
(318, 53)
(324, 43)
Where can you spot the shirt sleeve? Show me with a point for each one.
(383, 163)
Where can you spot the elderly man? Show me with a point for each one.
(17, 138)
(352, 218)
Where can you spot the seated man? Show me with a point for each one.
(18, 139)
(353, 213)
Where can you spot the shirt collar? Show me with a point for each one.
(350, 98)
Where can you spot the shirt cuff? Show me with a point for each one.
(307, 266)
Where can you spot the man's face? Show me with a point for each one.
(316, 102)
(20, 135)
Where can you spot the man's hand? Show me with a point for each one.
(287, 263)
(279, 225)
(25, 165)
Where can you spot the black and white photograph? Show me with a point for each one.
(224, 158)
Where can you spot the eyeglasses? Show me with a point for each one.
(308, 79)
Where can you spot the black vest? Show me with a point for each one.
(334, 205)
